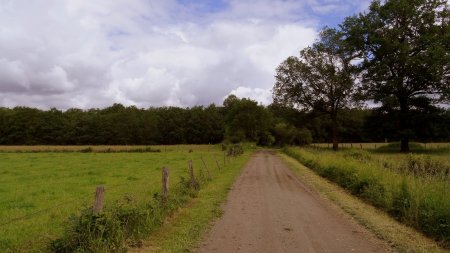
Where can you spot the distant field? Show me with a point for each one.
(39, 191)
(101, 148)
(374, 145)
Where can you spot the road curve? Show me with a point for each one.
(270, 210)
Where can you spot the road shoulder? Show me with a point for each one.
(400, 237)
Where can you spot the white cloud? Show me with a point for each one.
(76, 53)
(261, 95)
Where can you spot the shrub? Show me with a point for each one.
(235, 150)
(303, 137)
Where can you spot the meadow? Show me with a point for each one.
(40, 190)
(413, 188)
(376, 145)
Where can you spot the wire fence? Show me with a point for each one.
(75, 204)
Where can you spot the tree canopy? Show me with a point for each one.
(321, 79)
(404, 46)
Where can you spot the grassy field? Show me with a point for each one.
(413, 188)
(39, 191)
(100, 148)
(376, 145)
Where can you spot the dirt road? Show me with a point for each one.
(270, 210)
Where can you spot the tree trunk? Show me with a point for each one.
(334, 132)
(404, 144)
(404, 126)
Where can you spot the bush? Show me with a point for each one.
(303, 137)
(235, 150)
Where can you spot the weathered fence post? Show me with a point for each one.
(165, 183)
(98, 200)
(360, 145)
(351, 145)
(191, 174)
(218, 166)
(206, 168)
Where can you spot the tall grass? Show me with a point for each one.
(415, 192)
(123, 224)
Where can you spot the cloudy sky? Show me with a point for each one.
(85, 54)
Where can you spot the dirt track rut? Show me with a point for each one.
(270, 210)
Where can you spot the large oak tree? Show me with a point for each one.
(321, 79)
(405, 50)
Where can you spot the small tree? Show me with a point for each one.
(321, 79)
(405, 47)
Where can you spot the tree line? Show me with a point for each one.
(235, 121)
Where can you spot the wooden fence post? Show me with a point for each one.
(218, 165)
(206, 168)
(191, 174)
(224, 158)
(360, 145)
(98, 200)
(165, 183)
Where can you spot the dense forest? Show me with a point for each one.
(236, 120)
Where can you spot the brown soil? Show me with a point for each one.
(270, 210)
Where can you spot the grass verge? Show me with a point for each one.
(400, 237)
(183, 230)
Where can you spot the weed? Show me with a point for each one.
(124, 224)
(423, 165)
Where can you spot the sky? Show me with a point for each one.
(92, 54)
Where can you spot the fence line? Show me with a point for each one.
(78, 198)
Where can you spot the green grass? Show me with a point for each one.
(421, 200)
(63, 184)
(183, 231)
(400, 237)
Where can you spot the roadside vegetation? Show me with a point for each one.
(412, 188)
(400, 237)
